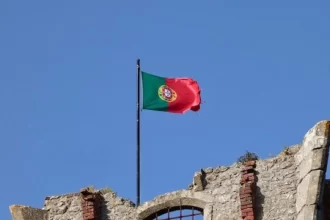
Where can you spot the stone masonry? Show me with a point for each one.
(290, 186)
(64, 207)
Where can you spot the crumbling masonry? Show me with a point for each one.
(290, 186)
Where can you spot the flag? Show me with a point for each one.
(175, 95)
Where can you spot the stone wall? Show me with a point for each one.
(223, 184)
(290, 186)
(72, 206)
(64, 207)
(19, 212)
(117, 208)
(312, 163)
(276, 186)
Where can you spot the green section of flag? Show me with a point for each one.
(150, 85)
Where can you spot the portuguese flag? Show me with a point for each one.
(175, 95)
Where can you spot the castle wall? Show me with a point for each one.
(276, 187)
(116, 208)
(275, 191)
(71, 207)
(20, 212)
(64, 207)
(223, 184)
(312, 161)
(290, 186)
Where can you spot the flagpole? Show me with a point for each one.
(138, 134)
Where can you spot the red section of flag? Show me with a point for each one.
(188, 95)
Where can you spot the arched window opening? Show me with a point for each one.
(178, 213)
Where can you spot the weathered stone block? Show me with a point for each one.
(308, 191)
(308, 213)
(199, 181)
(316, 137)
(64, 207)
(208, 211)
(313, 161)
(19, 212)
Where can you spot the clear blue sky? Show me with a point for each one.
(68, 89)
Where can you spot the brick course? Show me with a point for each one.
(91, 204)
(247, 191)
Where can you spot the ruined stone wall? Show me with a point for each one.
(20, 212)
(290, 186)
(223, 183)
(216, 190)
(275, 191)
(277, 187)
(287, 187)
(116, 208)
(78, 206)
(312, 161)
(64, 207)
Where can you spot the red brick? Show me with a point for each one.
(90, 206)
(243, 207)
(250, 214)
(250, 184)
(247, 191)
(244, 195)
(244, 199)
(248, 210)
(245, 213)
(246, 203)
(247, 187)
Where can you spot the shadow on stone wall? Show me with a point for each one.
(105, 212)
(114, 207)
(259, 200)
